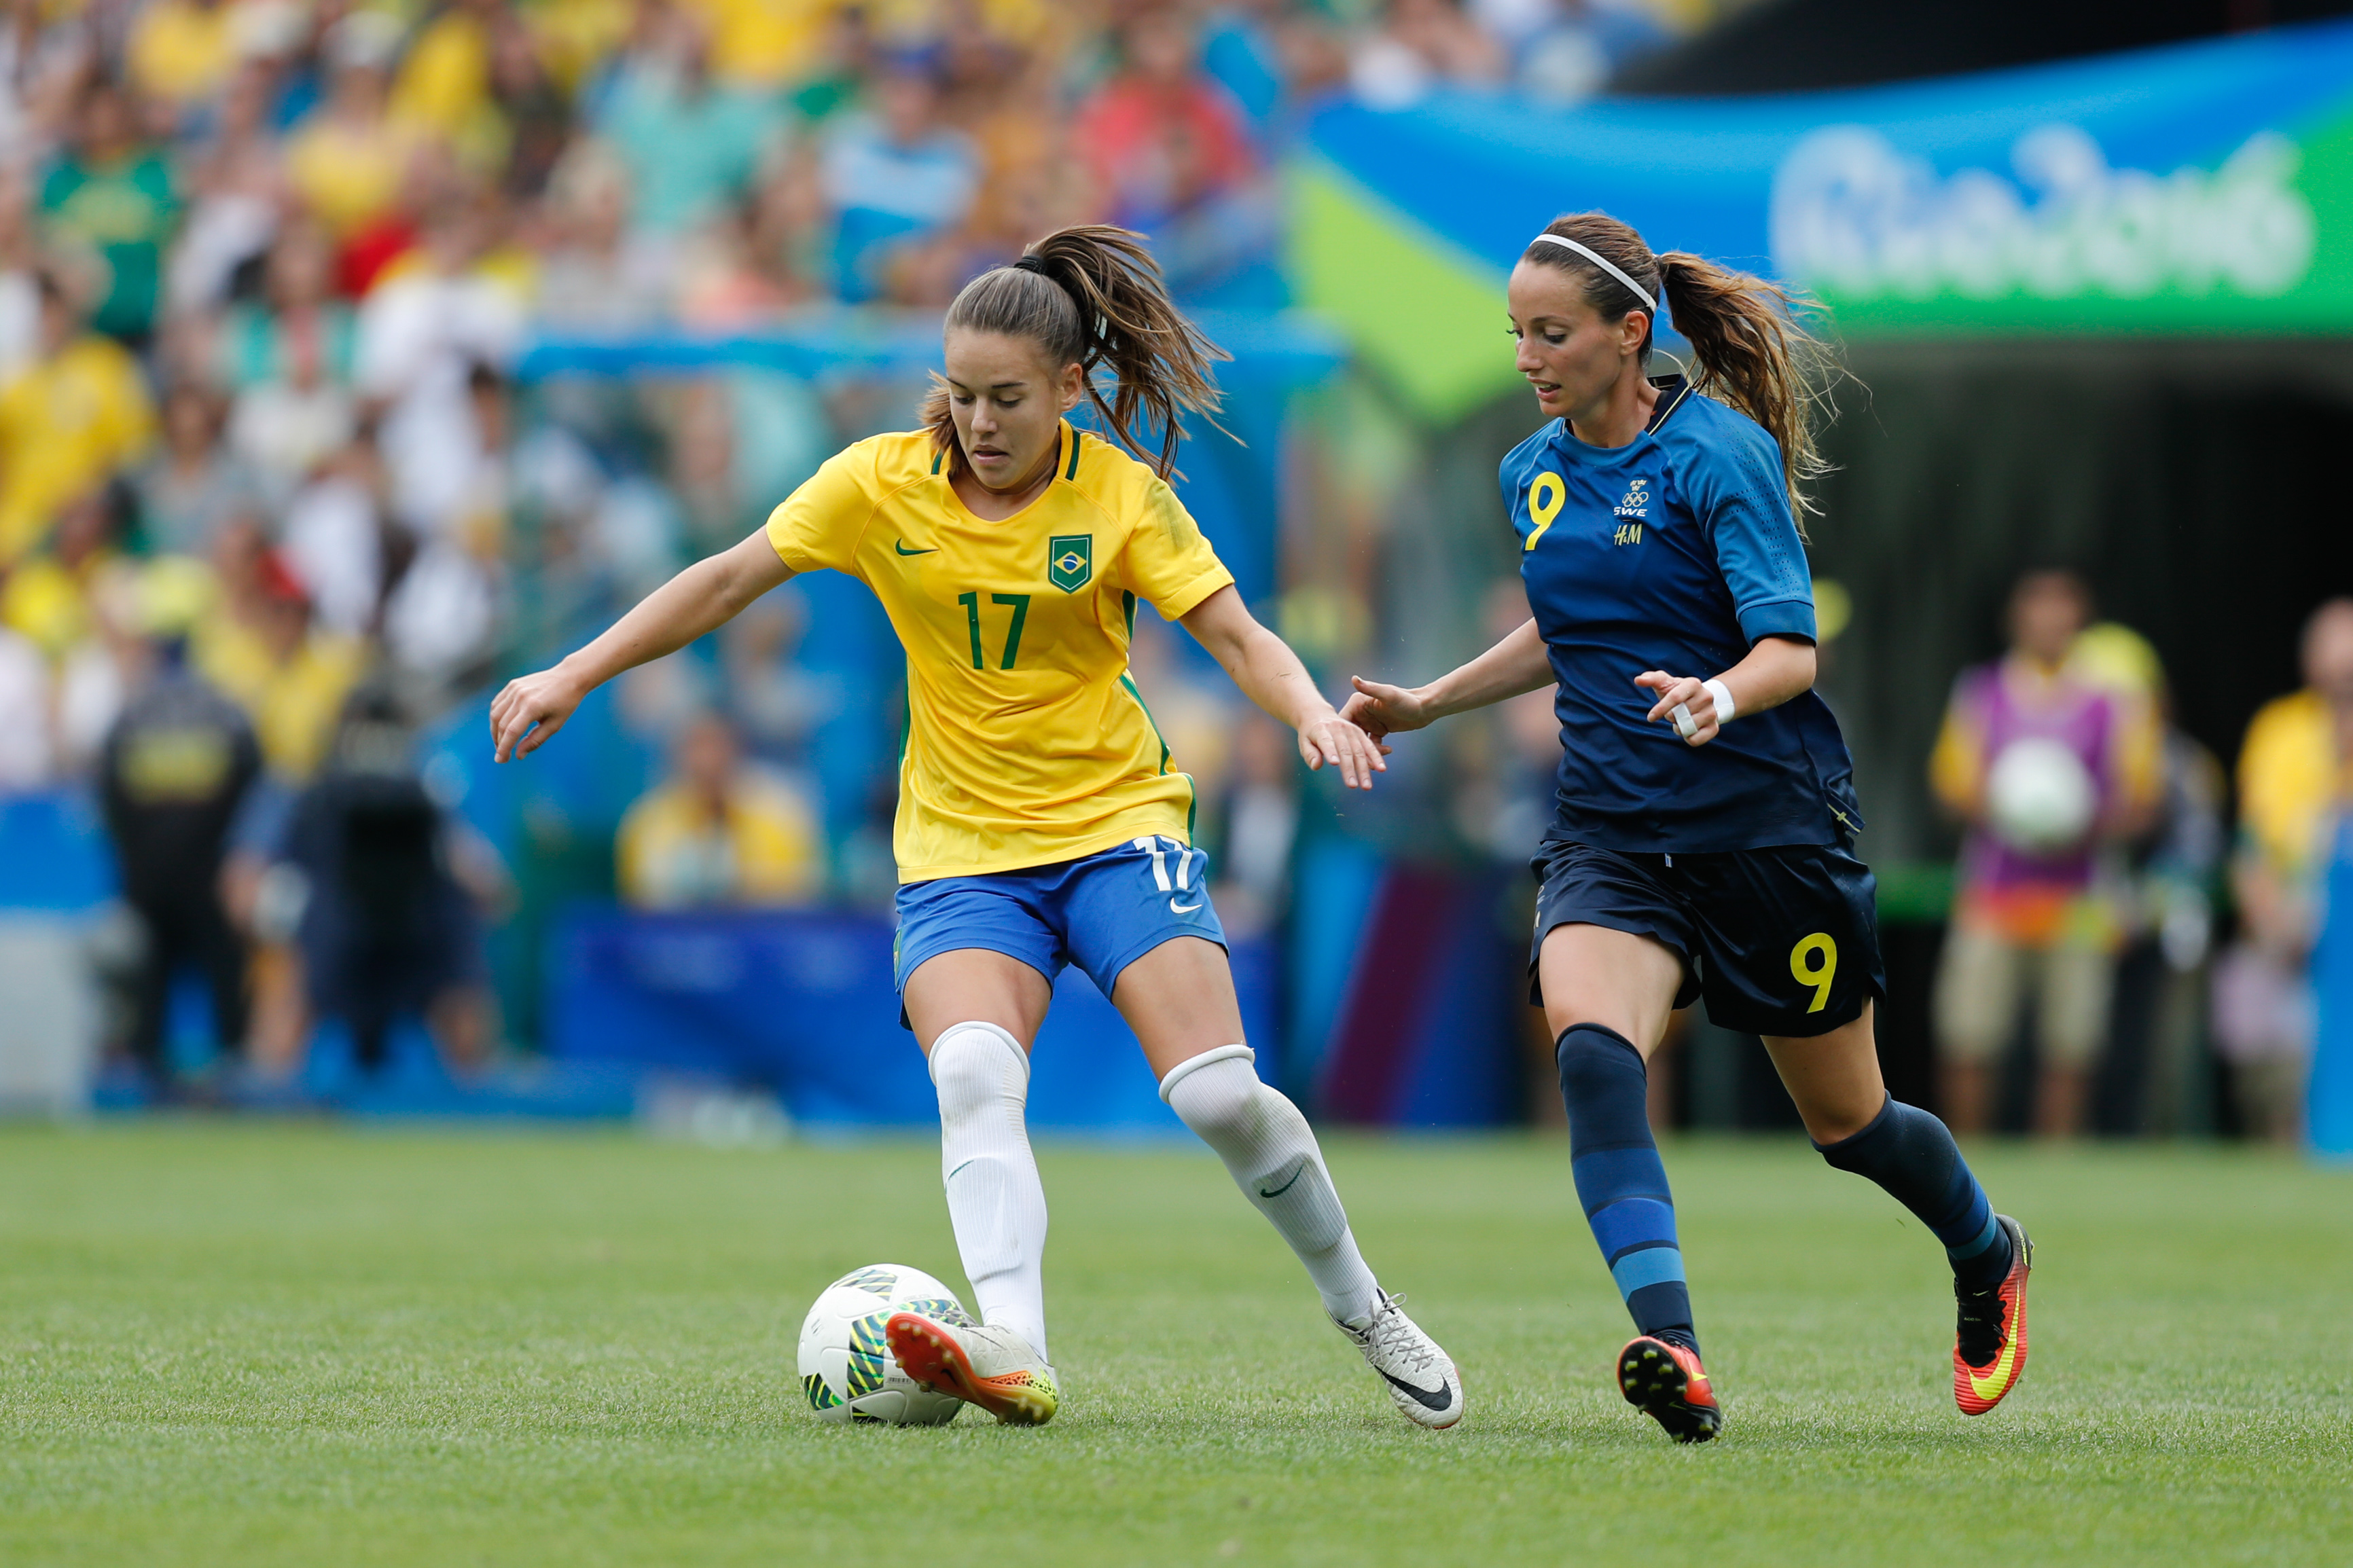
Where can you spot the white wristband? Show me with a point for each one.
(1723, 695)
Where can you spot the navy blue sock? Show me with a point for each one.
(1911, 1153)
(1619, 1179)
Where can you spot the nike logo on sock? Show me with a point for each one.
(1286, 1187)
(1422, 1396)
(1176, 909)
(901, 546)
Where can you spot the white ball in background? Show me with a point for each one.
(2040, 798)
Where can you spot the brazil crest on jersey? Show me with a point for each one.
(1675, 552)
(1027, 741)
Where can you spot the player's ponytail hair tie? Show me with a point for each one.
(1037, 264)
(1597, 260)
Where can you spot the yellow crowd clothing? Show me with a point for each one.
(1027, 744)
(673, 852)
(348, 175)
(2292, 782)
(66, 423)
(293, 702)
(764, 43)
(182, 53)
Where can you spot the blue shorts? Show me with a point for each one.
(1779, 942)
(1101, 913)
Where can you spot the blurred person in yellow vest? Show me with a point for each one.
(717, 832)
(349, 158)
(2296, 777)
(261, 646)
(78, 414)
(181, 52)
(764, 43)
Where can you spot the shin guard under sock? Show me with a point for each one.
(1619, 1179)
(994, 1200)
(1912, 1155)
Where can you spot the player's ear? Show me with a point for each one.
(1071, 389)
(1632, 328)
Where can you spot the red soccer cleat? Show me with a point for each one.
(1989, 1344)
(1667, 1383)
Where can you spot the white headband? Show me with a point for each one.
(1601, 261)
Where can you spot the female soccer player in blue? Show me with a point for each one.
(1042, 822)
(1702, 842)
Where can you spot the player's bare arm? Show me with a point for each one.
(698, 600)
(1270, 674)
(1515, 665)
(1777, 670)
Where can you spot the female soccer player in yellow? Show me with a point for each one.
(1041, 820)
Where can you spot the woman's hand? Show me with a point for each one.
(530, 710)
(1382, 711)
(1327, 737)
(1695, 699)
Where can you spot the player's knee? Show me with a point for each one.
(1218, 1093)
(1594, 1060)
(975, 1063)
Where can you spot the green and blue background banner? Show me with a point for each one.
(2204, 188)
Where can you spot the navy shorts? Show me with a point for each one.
(1101, 913)
(1778, 941)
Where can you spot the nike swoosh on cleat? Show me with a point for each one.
(1286, 1187)
(1176, 909)
(1422, 1396)
(1984, 1384)
(901, 546)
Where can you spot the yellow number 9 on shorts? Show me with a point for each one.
(1814, 961)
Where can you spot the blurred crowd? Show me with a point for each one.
(273, 498)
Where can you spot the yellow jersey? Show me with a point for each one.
(1027, 744)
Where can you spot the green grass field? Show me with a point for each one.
(258, 1345)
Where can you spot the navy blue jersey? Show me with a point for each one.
(1675, 552)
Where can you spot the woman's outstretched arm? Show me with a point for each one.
(1514, 666)
(704, 597)
(1270, 674)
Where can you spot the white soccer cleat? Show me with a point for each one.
(991, 1367)
(1421, 1377)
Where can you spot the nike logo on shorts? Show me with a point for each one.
(1176, 909)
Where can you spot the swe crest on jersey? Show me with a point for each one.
(1632, 512)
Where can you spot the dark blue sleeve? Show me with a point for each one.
(1745, 505)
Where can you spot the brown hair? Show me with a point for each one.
(1750, 350)
(1092, 296)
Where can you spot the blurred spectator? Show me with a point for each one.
(2042, 767)
(258, 646)
(28, 741)
(236, 193)
(20, 286)
(1422, 44)
(175, 765)
(2296, 777)
(440, 618)
(193, 484)
(894, 177)
(390, 891)
(718, 832)
(600, 275)
(285, 429)
(1257, 821)
(776, 704)
(78, 414)
(1563, 50)
(297, 317)
(1172, 154)
(47, 597)
(113, 196)
(181, 51)
(348, 161)
(332, 538)
(691, 145)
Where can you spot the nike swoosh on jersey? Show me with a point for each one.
(1176, 909)
(901, 546)
(1422, 1396)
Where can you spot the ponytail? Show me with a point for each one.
(1750, 351)
(1092, 296)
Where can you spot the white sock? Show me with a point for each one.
(994, 1200)
(1270, 1152)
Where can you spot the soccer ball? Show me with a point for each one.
(846, 1365)
(2039, 797)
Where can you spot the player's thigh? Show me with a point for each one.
(1834, 1078)
(1180, 999)
(1597, 975)
(975, 985)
